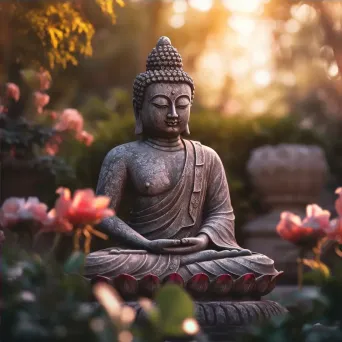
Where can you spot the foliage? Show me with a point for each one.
(60, 27)
(314, 318)
(44, 301)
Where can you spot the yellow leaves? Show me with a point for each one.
(107, 7)
(63, 31)
(55, 35)
(317, 265)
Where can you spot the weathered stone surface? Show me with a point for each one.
(227, 320)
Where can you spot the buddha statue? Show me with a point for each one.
(181, 219)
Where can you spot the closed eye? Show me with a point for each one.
(160, 106)
(182, 106)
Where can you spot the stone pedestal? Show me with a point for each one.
(287, 177)
(228, 320)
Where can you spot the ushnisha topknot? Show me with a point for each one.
(163, 65)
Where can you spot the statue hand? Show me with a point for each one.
(161, 245)
(190, 245)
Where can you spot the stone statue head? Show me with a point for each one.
(163, 95)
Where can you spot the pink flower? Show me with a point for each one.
(40, 101)
(44, 78)
(306, 232)
(338, 202)
(334, 231)
(83, 208)
(51, 148)
(86, 138)
(316, 217)
(12, 91)
(70, 120)
(53, 115)
(15, 210)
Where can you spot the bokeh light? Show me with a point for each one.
(244, 6)
(190, 326)
(201, 5)
(262, 77)
(177, 20)
(180, 6)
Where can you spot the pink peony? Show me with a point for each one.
(40, 100)
(15, 210)
(306, 232)
(334, 231)
(338, 202)
(70, 120)
(12, 91)
(86, 138)
(316, 217)
(83, 208)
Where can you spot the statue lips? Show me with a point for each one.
(171, 122)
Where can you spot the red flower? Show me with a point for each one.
(40, 101)
(306, 232)
(84, 208)
(12, 91)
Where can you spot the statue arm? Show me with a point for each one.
(219, 216)
(112, 181)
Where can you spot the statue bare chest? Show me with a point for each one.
(155, 172)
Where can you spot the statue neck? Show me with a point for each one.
(169, 145)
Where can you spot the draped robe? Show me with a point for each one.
(199, 203)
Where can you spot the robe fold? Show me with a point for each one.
(199, 203)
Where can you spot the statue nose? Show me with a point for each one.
(172, 113)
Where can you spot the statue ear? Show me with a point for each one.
(187, 130)
(138, 122)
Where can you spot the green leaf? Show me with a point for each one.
(75, 263)
(174, 305)
(317, 265)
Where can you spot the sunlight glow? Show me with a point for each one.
(260, 57)
(303, 13)
(243, 25)
(177, 20)
(180, 6)
(333, 70)
(258, 106)
(262, 77)
(292, 26)
(201, 5)
(243, 6)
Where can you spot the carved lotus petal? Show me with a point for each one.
(198, 284)
(126, 285)
(262, 283)
(222, 284)
(100, 279)
(273, 283)
(244, 284)
(148, 285)
(174, 278)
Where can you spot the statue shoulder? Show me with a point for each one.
(120, 153)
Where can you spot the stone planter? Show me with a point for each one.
(287, 178)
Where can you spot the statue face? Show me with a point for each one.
(166, 109)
